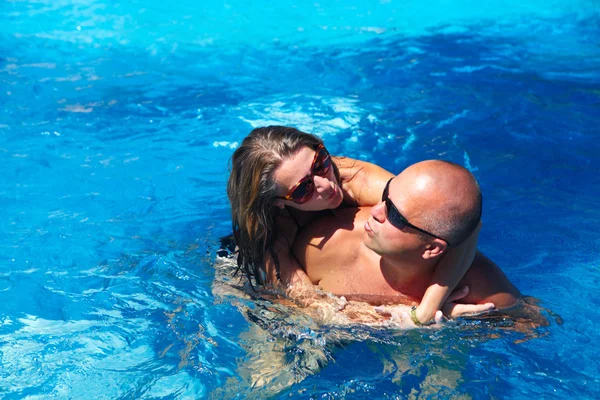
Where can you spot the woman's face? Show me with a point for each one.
(326, 193)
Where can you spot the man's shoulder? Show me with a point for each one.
(340, 225)
(330, 247)
(488, 283)
(334, 237)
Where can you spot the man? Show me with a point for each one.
(387, 254)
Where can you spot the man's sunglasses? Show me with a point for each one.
(397, 219)
(305, 188)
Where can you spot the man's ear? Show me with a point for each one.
(279, 204)
(435, 248)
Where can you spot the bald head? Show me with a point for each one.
(444, 197)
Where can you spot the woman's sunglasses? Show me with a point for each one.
(305, 188)
(397, 219)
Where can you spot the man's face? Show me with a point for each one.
(383, 237)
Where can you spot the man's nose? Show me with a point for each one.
(378, 212)
(322, 185)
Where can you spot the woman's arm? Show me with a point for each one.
(448, 272)
(361, 181)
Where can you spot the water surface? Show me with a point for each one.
(116, 126)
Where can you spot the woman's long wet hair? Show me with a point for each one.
(252, 192)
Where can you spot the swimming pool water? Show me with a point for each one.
(116, 126)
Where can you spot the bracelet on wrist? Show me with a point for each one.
(413, 316)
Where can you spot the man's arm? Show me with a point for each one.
(487, 283)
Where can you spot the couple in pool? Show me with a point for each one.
(302, 217)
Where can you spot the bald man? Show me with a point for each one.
(387, 254)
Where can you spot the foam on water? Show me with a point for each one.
(309, 113)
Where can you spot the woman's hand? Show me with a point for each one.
(400, 317)
(362, 182)
(400, 314)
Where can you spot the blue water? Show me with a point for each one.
(117, 121)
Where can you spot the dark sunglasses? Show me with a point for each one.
(305, 188)
(397, 219)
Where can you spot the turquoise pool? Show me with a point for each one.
(116, 126)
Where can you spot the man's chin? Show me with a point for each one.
(372, 245)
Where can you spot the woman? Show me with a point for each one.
(280, 179)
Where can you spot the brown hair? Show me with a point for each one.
(252, 192)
